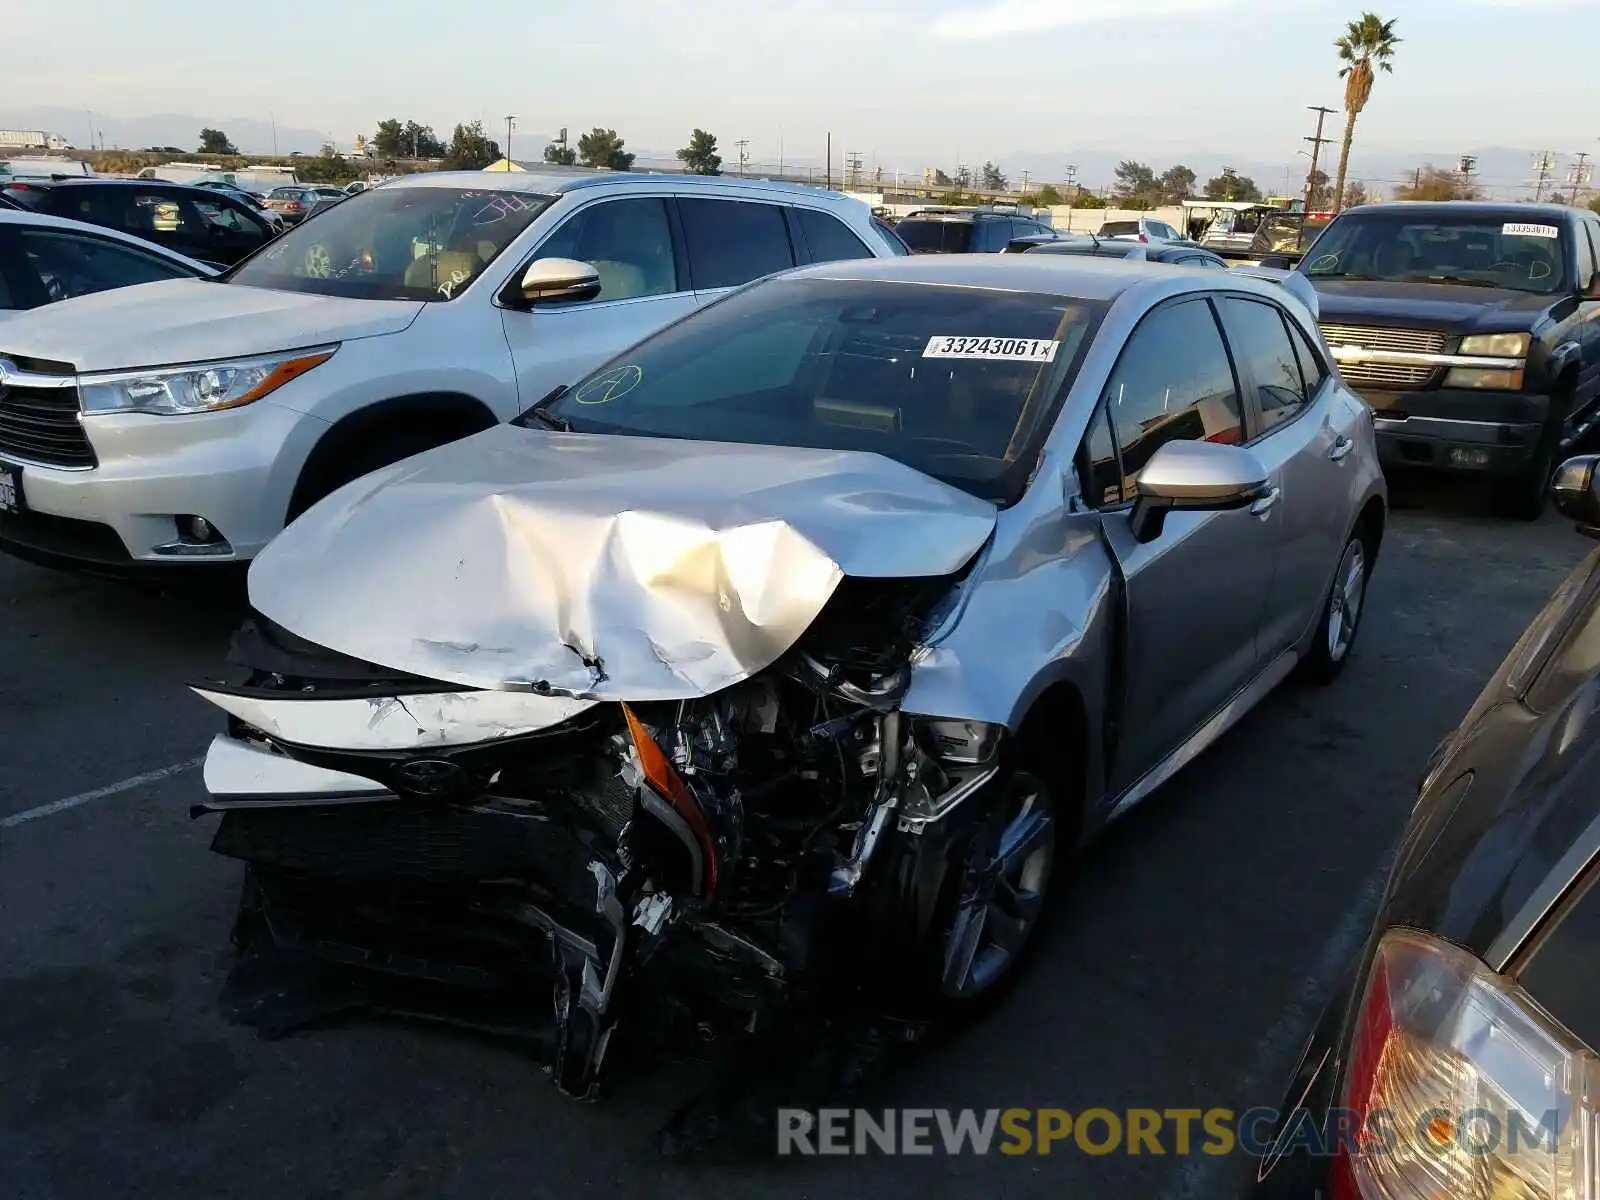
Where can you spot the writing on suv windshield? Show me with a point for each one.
(960, 383)
(1472, 249)
(403, 243)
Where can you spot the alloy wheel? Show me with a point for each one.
(1349, 594)
(1002, 891)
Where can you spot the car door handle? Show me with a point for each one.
(1266, 503)
(1341, 448)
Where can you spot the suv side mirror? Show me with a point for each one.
(551, 279)
(1575, 492)
(1194, 477)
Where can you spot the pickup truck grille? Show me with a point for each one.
(41, 424)
(1382, 337)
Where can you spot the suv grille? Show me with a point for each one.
(1381, 337)
(41, 423)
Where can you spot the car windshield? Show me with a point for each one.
(414, 243)
(1119, 228)
(1472, 248)
(928, 235)
(961, 383)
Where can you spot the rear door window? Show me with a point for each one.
(731, 242)
(829, 239)
(933, 236)
(1267, 359)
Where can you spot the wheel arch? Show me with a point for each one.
(444, 414)
(1052, 739)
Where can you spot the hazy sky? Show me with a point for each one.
(919, 80)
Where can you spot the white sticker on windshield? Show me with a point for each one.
(1039, 350)
(1516, 229)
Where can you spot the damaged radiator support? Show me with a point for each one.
(700, 865)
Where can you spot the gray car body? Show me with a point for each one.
(1220, 606)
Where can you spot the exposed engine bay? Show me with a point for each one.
(702, 866)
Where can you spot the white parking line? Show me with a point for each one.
(100, 793)
(1199, 1176)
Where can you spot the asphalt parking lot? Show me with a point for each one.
(1188, 960)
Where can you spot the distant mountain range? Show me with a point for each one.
(1504, 173)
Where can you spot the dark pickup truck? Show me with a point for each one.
(1473, 331)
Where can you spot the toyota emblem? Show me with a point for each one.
(430, 777)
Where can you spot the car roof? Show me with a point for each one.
(1082, 277)
(79, 181)
(10, 216)
(1480, 208)
(560, 180)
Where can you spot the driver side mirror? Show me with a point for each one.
(548, 280)
(1576, 492)
(1194, 477)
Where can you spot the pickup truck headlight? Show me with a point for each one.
(197, 387)
(1497, 345)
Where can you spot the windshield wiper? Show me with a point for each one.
(1464, 280)
(1344, 275)
(541, 413)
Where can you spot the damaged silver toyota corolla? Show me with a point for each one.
(794, 644)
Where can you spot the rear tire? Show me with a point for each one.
(1341, 611)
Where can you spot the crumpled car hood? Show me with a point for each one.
(602, 567)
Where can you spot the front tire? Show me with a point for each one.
(1341, 611)
(1523, 497)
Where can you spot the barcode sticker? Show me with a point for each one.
(1517, 229)
(1039, 350)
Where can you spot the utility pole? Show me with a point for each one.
(1025, 177)
(1543, 164)
(1580, 175)
(744, 153)
(852, 170)
(1469, 164)
(1317, 142)
(274, 117)
(1229, 176)
(1072, 192)
(510, 121)
(827, 179)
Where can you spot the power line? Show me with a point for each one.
(744, 153)
(1580, 175)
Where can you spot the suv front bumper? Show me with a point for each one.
(235, 469)
(1467, 430)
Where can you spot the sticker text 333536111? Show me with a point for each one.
(1037, 350)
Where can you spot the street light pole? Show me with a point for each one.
(510, 121)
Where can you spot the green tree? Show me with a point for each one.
(1086, 199)
(1176, 184)
(1366, 44)
(941, 178)
(1048, 196)
(603, 148)
(1355, 194)
(214, 141)
(994, 179)
(1232, 187)
(327, 167)
(1135, 185)
(471, 149)
(561, 156)
(700, 156)
(1431, 183)
(406, 139)
(1321, 195)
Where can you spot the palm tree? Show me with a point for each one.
(1367, 42)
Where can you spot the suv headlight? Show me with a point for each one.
(197, 387)
(1497, 345)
